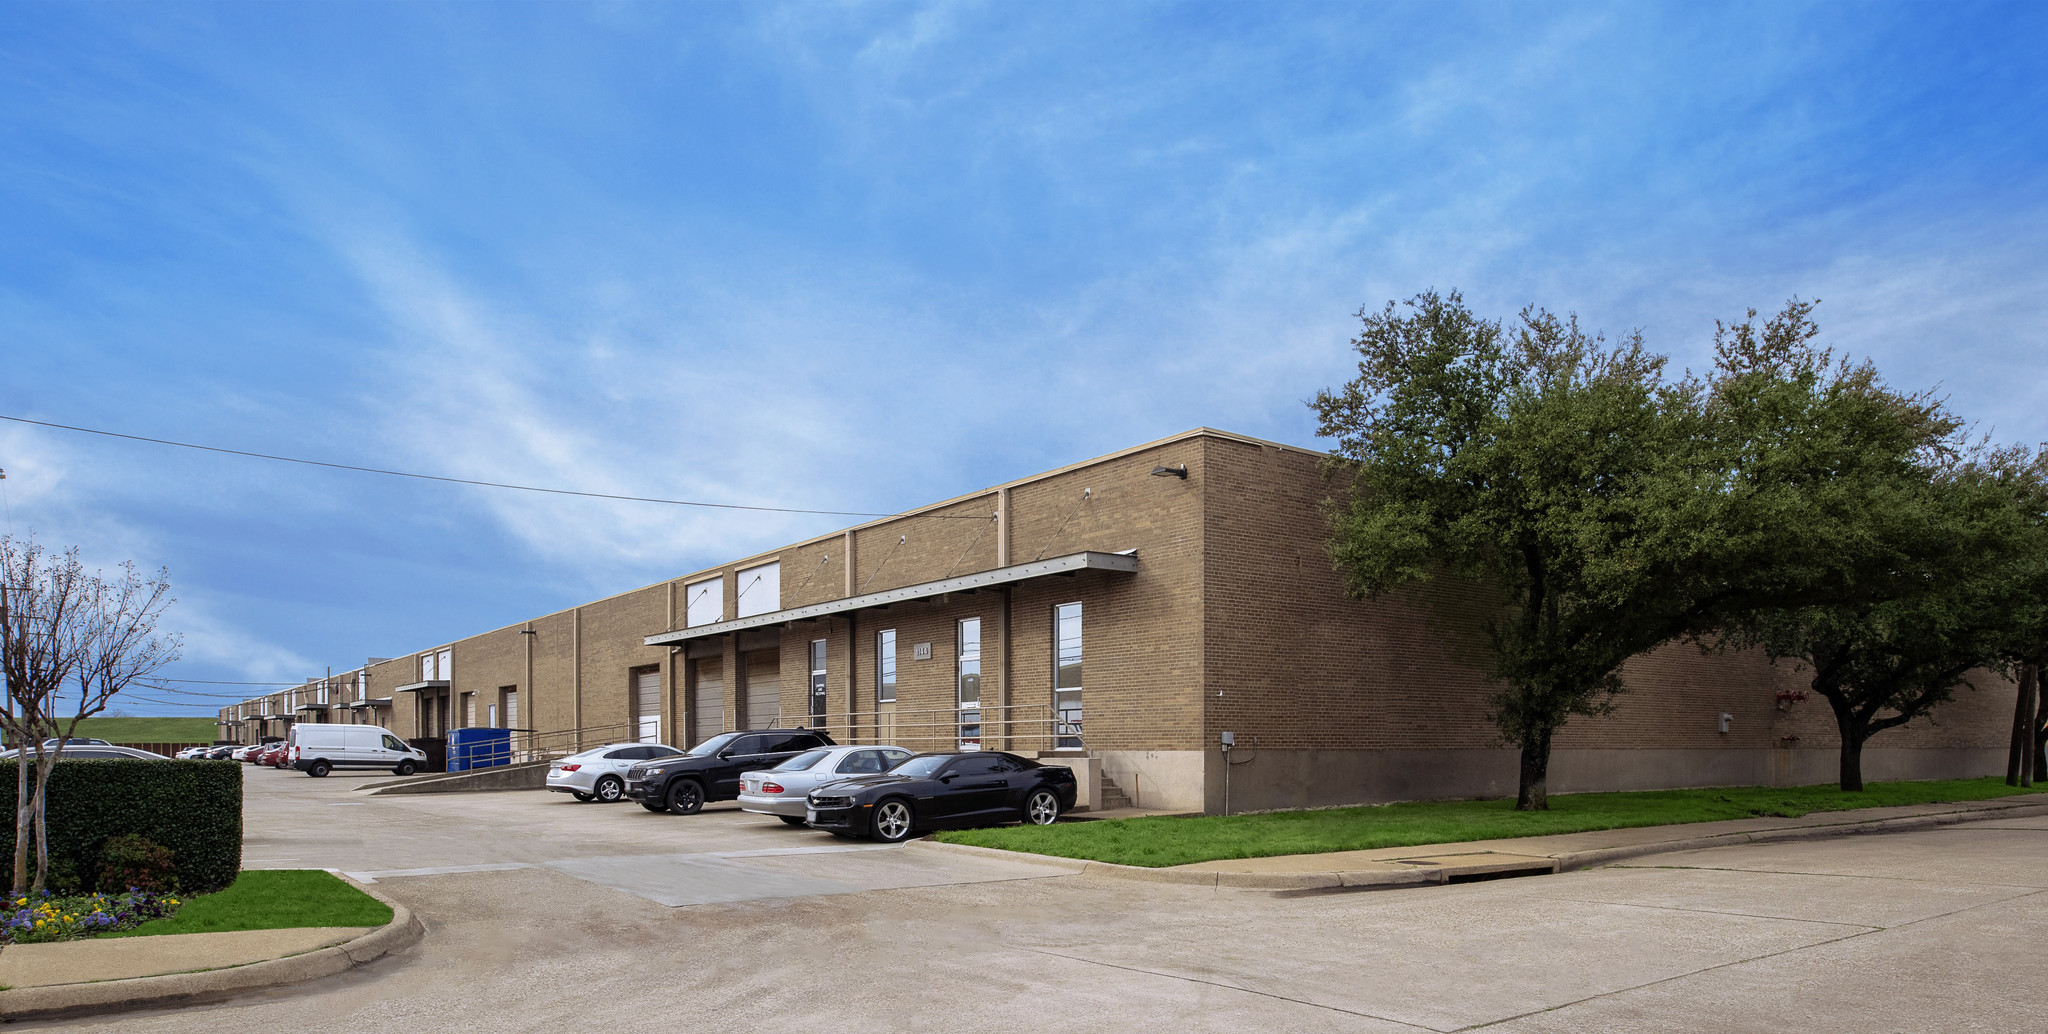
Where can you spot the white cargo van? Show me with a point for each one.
(317, 749)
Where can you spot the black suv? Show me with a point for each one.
(710, 771)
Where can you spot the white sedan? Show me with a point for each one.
(599, 774)
(780, 791)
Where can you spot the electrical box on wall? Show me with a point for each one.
(922, 651)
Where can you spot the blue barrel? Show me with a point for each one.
(478, 748)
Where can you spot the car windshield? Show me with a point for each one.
(712, 745)
(922, 765)
(802, 761)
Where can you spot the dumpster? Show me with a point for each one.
(436, 750)
(478, 748)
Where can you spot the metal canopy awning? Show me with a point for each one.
(417, 686)
(312, 707)
(1069, 564)
(357, 705)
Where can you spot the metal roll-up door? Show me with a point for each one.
(764, 688)
(647, 705)
(707, 703)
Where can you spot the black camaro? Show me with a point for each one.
(929, 791)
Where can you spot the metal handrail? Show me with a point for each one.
(1015, 727)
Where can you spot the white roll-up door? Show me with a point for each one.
(647, 705)
(764, 688)
(708, 701)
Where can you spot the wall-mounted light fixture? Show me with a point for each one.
(1180, 472)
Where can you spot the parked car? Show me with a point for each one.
(317, 748)
(194, 753)
(272, 755)
(599, 774)
(224, 752)
(91, 752)
(781, 791)
(933, 791)
(82, 741)
(252, 751)
(710, 771)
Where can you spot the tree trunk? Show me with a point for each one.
(1534, 793)
(2030, 719)
(2016, 757)
(2040, 733)
(1852, 764)
(22, 810)
(42, 820)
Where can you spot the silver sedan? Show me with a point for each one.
(780, 791)
(600, 773)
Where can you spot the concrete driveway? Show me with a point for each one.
(1928, 931)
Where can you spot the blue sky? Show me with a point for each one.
(866, 256)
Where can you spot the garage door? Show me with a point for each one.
(647, 705)
(707, 704)
(764, 688)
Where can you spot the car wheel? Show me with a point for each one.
(791, 820)
(1042, 809)
(610, 790)
(319, 769)
(893, 820)
(581, 796)
(653, 806)
(406, 767)
(685, 797)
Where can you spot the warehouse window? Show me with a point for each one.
(970, 684)
(885, 666)
(1066, 678)
(760, 590)
(706, 602)
(817, 678)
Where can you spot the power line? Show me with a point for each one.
(468, 481)
(219, 682)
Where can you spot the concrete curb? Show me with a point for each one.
(1420, 875)
(1971, 811)
(67, 1001)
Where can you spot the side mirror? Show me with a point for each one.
(948, 777)
(725, 755)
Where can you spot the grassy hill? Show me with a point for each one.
(150, 730)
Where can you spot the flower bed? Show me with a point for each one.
(70, 918)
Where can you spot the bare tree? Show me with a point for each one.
(63, 626)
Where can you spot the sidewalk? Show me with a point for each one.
(116, 958)
(69, 979)
(1492, 859)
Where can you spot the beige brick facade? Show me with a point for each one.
(1232, 621)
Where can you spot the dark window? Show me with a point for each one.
(661, 751)
(391, 743)
(627, 754)
(753, 744)
(862, 762)
(976, 765)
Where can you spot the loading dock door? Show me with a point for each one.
(764, 688)
(707, 703)
(647, 705)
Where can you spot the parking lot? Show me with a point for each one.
(544, 914)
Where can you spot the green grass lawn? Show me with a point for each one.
(271, 899)
(150, 730)
(1179, 841)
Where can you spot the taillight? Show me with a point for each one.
(771, 787)
(571, 768)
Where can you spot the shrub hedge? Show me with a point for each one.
(192, 807)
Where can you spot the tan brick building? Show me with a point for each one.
(1127, 610)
